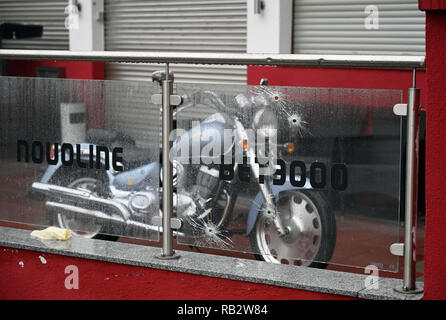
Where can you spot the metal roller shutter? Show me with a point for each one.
(49, 13)
(176, 25)
(337, 27)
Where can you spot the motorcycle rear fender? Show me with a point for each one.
(52, 169)
(259, 200)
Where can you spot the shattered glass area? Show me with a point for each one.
(209, 234)
(335, 193)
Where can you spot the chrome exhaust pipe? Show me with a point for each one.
(69, 209)
(82, 197)
(118, 214)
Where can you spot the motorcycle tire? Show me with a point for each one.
(66, 177)
(318, 216)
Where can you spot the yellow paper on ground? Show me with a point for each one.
(52, 233)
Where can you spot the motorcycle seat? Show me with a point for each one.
(109, 138)
(135, 157)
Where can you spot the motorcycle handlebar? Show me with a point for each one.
(213, 98)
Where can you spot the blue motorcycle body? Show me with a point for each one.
(138, 178)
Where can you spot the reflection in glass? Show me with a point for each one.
(326, 191)
(81, 155)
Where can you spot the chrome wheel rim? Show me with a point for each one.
(301, 217)
(82, 227)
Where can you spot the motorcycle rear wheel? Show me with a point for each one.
(312, 231)
(80, 227)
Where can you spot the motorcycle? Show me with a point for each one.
(285, 223)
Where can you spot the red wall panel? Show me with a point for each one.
(338, 78)
(26, 276)
(73, 69)
(435, 245)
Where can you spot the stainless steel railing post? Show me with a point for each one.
(411, 195)
(167, 206)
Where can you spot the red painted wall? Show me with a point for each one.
(432, 4)
(338, 78)
(435, 244)
(73, 69)
(25, 276)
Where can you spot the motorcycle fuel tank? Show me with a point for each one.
(137, 178)
(207, 140)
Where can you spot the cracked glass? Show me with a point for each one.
(300, 176)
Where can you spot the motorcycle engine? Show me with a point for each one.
(142, 202)
(206, 184)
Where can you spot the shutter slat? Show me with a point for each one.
(176, 26)
(48, 13)
(337, 27)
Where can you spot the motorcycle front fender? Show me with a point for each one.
(259, 200)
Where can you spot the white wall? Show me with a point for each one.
(87, 33)
(270, 31)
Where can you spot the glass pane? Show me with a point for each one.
(325, 188)
(80, 154)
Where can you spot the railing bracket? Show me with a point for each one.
(405, 290)
(400, 109)
(175, 100)
(397, 249)
(175, 223)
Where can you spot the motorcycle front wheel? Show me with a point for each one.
(311, 229)
(81, 227)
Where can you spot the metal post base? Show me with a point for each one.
(402, 289)
(174, 256)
